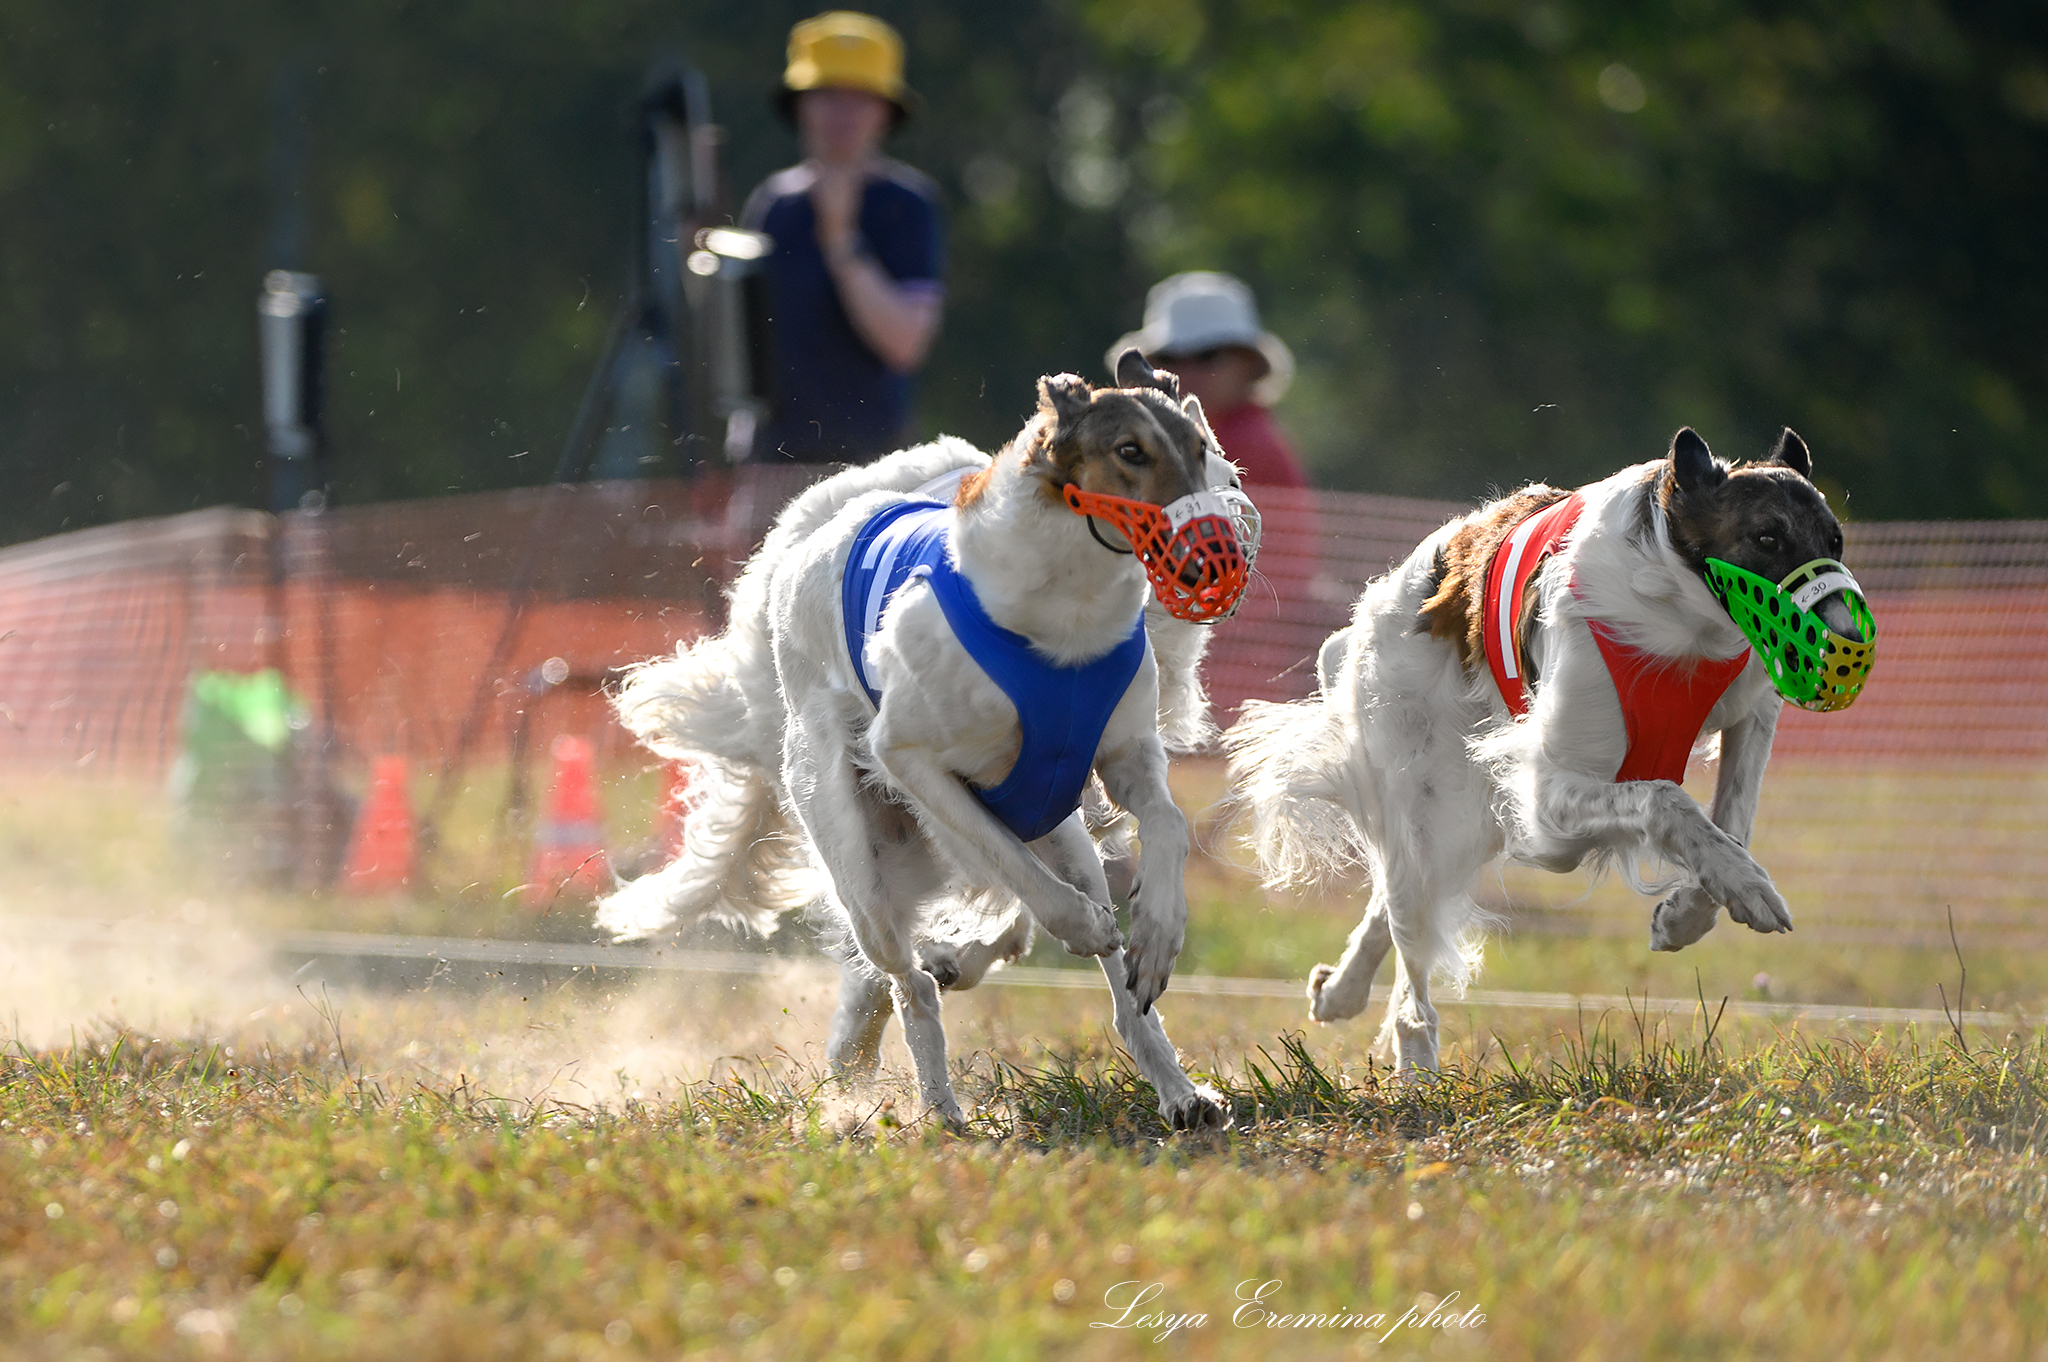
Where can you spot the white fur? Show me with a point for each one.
(800, 788)
(1407, 765)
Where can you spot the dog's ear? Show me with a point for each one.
(1221, 471)
(1066, 396)
(1693, 465)
(1133, 370)
(1792, 453)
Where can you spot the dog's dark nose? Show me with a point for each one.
(1835, 612)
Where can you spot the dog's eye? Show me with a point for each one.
(1133, 453)
(1767, 541)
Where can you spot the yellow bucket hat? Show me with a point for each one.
(845, 50)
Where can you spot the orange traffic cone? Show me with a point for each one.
(668, 820)
(380, 851)
(568, 855)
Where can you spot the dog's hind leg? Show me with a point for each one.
(960, 965)
(1343, 989)
(825, 793)
(1411, 1024)
(855, 1048)
(1435, 835)
(917, 1007)
(908, 874)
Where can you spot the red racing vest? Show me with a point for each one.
(1664, 701)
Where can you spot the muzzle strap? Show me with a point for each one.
(1104, 542)
(1823, 586)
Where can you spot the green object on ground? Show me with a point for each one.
(237, 732)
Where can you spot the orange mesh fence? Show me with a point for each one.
(391, 620)
(386, 616)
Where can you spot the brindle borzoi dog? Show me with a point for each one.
(1411, 759)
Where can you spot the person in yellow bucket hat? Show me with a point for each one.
(854, 281)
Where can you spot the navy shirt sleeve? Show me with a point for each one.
(899, 218)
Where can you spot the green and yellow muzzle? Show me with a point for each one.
(1811, 664)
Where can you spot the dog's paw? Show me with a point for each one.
(856, 1068)
(1682, 918)
(1326, 1004)
(1750, 897)
(942, 962)
(1088, 928)
(949, 1116)
(1761, 908)
(1317, 978)
(1200, 1111)
(1765, 912)
(1148, 959)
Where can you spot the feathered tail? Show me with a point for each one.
(1289, 773)
(741, 861)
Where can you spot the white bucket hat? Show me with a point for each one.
(1201, 310)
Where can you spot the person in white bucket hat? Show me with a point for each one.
(1204, 327)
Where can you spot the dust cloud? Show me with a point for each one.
(193, 973)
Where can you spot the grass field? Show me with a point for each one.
(202, 1158)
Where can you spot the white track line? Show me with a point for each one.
(1026, 976)
(486, 951)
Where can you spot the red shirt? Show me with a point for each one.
(1251, 440)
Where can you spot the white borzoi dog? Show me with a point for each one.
(1412, 761)
(796, 769)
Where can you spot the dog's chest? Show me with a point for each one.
(1665, 701)
(1060, 711)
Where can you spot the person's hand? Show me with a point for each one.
(835, 199)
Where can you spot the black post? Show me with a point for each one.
(291, 315)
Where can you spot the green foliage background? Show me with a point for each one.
(1506, 240)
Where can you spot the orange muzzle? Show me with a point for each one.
(1188, 547)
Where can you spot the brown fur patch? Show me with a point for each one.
(974, 484)
(1455, 611)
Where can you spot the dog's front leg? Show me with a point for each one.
(1134, 774)
(1183, 1103)
(1575, 812)
(1688, 913)
(988, 852)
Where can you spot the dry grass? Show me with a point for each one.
(1613, 1196)
(200, 1158)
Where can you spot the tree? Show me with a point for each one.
(1507, 240)
(1531, 240)
(462, 178)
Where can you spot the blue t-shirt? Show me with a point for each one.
(835, 400)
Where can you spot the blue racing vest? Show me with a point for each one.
(1061, 710)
